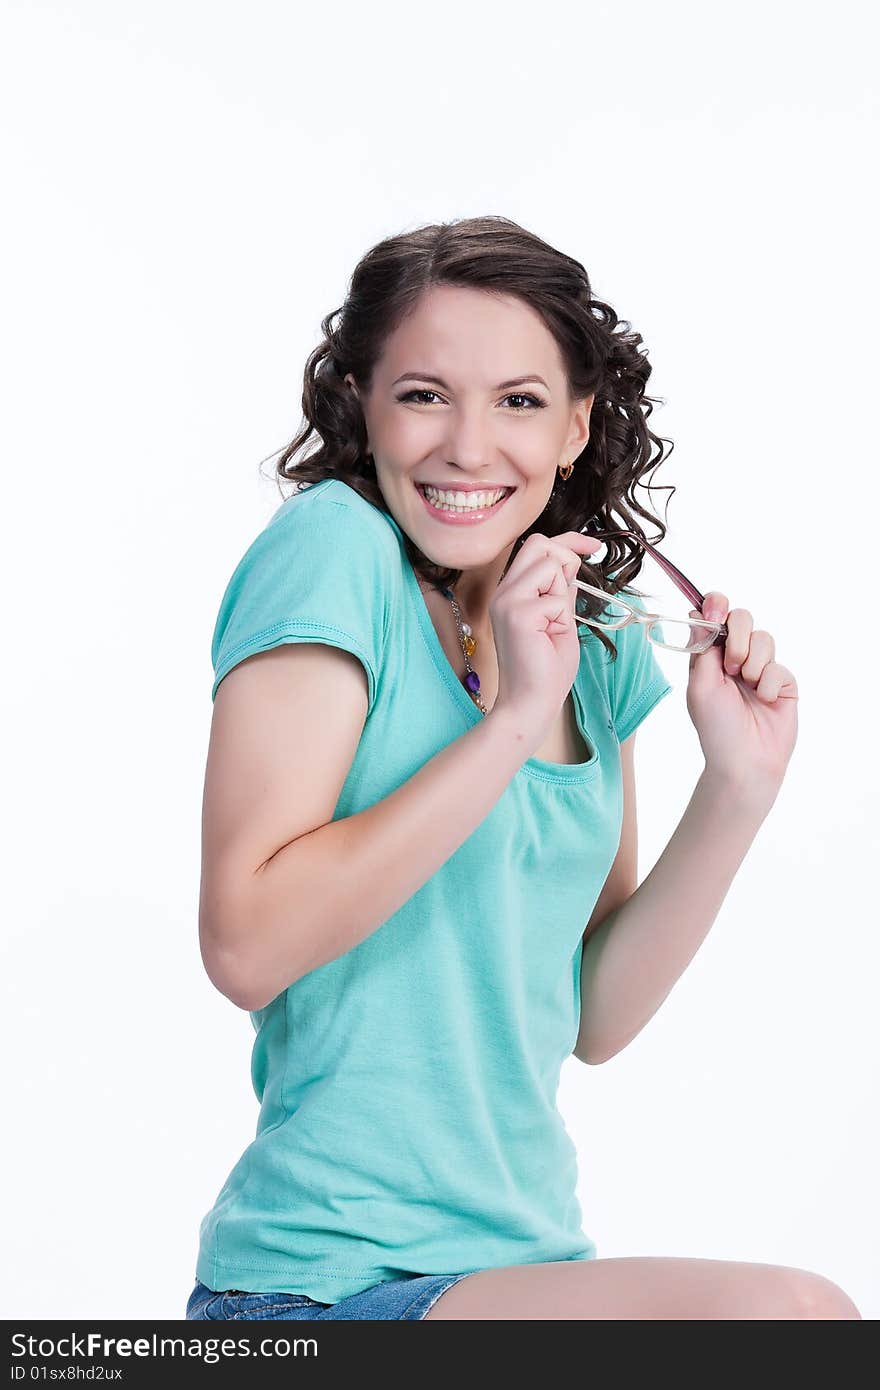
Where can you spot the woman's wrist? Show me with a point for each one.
(517, 727)
(750, 794)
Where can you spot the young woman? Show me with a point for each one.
(419, 833)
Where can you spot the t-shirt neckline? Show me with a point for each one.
(540, 768)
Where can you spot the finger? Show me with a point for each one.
(714, 609)
(776, 683)
(579, 550)
(715, 606)
(597, 556)
(710, 659)
(573, 539)
(546, 613)
(577, 538)
(547, 548)
(542, 576)
(736, 646)
(762, 649)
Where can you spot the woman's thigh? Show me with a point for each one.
(644, 1287)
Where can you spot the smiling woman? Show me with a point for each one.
(409, 388)
(484, 469)
(402, 858)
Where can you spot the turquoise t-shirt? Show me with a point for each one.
(408, 1120)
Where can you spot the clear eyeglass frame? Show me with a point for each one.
(704, 633)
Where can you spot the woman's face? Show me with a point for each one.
(475, 431)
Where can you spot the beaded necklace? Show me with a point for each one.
(468, 647)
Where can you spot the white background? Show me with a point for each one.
(188, 187)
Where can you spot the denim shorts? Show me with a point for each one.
(410, 1297)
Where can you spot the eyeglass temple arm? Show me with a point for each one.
(689, 590)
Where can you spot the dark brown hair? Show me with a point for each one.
(600, 353)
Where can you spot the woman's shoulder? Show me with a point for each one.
(326, 567)
(332, 503)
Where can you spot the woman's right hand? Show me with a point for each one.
(535, 631)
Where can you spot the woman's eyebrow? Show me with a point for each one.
(438, 381)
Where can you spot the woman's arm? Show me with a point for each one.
(744, 708)
(634, 957)
(285, 732)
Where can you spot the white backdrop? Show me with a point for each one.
(189, 186)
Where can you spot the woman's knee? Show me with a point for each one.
(821, 1298)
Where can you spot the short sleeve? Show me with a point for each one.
(638, 681)
(321, 570)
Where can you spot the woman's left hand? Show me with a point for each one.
(742, 702)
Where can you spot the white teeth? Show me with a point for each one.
(463, 501)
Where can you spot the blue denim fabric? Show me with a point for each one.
(410, 1297)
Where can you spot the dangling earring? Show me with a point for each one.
(566, 471)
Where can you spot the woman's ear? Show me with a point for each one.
(352, 385)
(580, 425)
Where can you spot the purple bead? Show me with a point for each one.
(472, 681)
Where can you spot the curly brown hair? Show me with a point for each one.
(601, 357)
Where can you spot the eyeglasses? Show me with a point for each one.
(692, 635)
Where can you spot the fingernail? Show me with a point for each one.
(596, 555)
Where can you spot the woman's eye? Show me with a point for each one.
(537, 404)
(410, 394)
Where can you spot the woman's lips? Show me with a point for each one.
(464, 518)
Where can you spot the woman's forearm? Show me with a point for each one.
(326, 891)
(634, 957)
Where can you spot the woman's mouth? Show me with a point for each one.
(462, 508)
